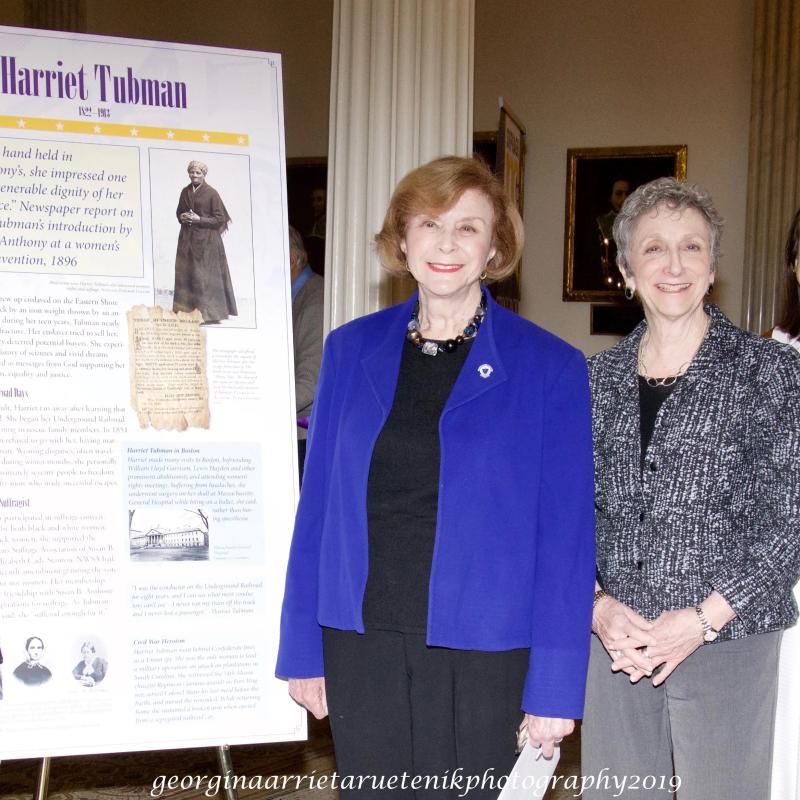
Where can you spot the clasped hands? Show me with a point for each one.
(638, 647)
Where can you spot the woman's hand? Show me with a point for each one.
(678, 634)
(546, 732)
(310, 693)
(624, 634)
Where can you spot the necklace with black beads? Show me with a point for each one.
(431, 347)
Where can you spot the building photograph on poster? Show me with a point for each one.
(168, 534)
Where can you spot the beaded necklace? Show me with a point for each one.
(431, 347)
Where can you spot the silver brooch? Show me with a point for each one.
(485, 370)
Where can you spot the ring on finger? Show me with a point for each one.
(646, 652)
(618, 654)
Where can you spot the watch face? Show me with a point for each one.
(710, 635)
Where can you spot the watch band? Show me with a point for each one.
(709, 633)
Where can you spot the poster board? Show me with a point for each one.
(148, 457)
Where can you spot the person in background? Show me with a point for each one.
(786, 754)
(319, 205)
(31, 671)
(315, 232)
(308, 296)
(697, 437)
(440, 578)
(202, 277)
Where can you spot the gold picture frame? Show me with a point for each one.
(510, 169)
(598, 180)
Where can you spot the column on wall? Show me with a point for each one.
(773, 186)
(401, 94)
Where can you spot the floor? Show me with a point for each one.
(265, 771)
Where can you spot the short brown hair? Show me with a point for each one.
(433, 188)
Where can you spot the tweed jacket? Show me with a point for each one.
(717, 504)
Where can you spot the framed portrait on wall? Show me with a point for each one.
(510, 169)
(598, 181)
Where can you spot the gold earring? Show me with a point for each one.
(483, 276)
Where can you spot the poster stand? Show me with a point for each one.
(43, 779)
(223, 759)
(225, 770)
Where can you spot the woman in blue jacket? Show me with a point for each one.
(442, 568)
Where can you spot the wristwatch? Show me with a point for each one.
(709, 634)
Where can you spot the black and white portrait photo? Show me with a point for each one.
(32, 671)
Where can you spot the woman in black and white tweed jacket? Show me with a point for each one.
(697, 467)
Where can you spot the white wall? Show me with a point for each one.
(582, 73)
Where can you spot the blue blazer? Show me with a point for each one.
(513, 560)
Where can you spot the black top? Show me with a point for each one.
(651, 398)
(403, 492)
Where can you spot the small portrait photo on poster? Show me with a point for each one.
(599, 179)
(92, 667)
(202, 235)
(32, 671)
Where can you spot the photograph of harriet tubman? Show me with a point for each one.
(202, 277)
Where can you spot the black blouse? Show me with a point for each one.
(403, 492)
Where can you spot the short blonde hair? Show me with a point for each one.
(435, 187)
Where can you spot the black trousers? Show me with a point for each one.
(445, 719)
(301, 458)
